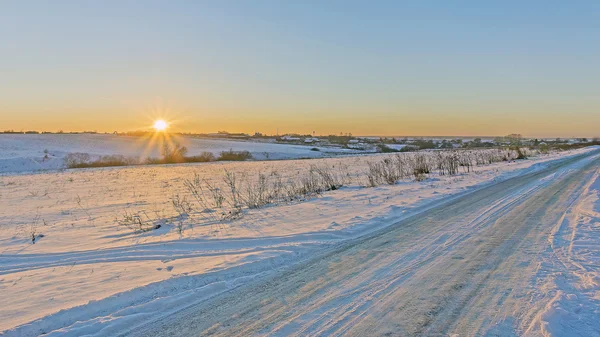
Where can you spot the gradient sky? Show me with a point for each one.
(365, 67)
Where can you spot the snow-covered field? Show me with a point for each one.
(89, 274)
(25, 153)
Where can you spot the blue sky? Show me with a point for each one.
(389, 68)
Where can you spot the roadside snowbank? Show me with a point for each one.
(568, 279)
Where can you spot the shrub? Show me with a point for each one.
(114, 160)
(77, 159)
(153, 161)
(520, 153)
(201, 158)
(420, 176)
(234, 155)
(258, 193)
(83, 160)
(330, 181)
(175, 154)
(421, 164)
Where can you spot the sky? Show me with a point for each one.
(389, 68)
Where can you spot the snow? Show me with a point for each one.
(568, 279)
(25, 153)
(89, 275)
(396, 147)
(459, 270)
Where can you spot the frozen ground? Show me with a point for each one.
(88, 275)
(25, 153)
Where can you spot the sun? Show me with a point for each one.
(160, 125)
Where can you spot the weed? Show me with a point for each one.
(136, 222)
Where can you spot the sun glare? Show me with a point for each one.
(160, 125)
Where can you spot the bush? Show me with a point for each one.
(175, 154)
(201, 158)
(421, 164)
(520, 153)
(234, 155)
(330, 181)
(83, 160)
(114, 160)
(153, 161)
(77, 159)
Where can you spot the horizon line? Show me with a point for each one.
(12, 131)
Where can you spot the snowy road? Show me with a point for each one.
(470, 267)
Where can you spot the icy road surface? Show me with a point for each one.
(500, 261)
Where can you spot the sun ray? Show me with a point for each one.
(150, 146)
